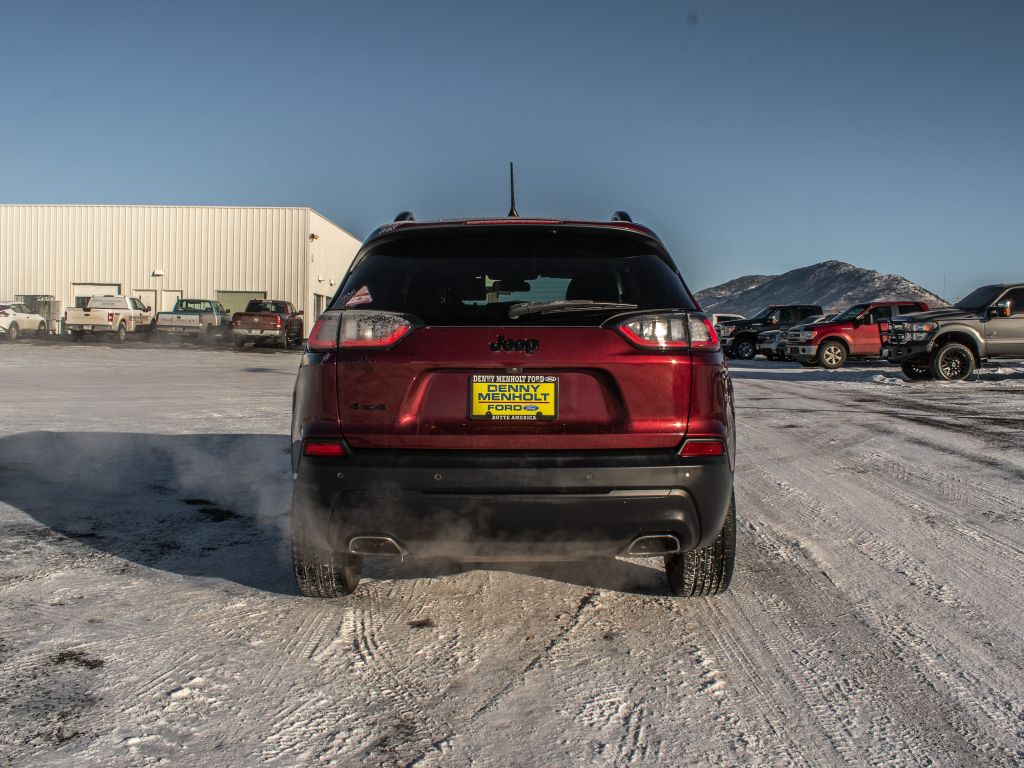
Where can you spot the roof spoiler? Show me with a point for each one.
(622, 216)
(405, 216)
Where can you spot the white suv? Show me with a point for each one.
(16, 319)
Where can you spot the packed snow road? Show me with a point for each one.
(148, 613)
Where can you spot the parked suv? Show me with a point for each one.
(739, 337)
(513, 389)
(948, 344)
(17, 319)
(854, 333)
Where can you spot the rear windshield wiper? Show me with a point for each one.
(563, 305)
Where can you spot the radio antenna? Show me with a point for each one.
(512, 212)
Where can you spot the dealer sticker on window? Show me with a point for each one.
(513, 397)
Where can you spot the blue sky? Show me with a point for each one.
(752, 136)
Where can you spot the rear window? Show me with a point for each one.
(107, 302)
(527, 279)
(191, 305)
(267, 306)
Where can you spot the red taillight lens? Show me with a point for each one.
(323, 448)
(110, 317)
(362, 328)
(660, 331)
(670, 330)
(324, 336)
(699, 447)
(277, 320)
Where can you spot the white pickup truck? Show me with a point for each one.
(200, 319)
(119, 315)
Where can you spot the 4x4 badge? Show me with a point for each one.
(529, 346)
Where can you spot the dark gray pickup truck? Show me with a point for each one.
(948, 344)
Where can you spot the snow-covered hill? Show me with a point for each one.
(834, 285)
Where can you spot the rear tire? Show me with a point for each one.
(41, 330)
(77, 335)
(282, 342)
(12, 332)
(920, 371)
(708, 571)
(121, 334)
(239, 343)
(831, 355)
(320, 572)
(953, 362)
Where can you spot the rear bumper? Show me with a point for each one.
(88, 328)
(179, 330)
(499, 507)
(259, 333)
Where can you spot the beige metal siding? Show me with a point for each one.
(45, 249)
(329, 257)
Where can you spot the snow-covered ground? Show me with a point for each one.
(148, 614)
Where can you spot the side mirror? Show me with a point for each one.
(1000, 309)
(298, 313)
(773, 321)
(149, 309)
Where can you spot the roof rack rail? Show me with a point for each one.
(622, 216)
(405, 216)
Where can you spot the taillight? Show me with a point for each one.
(110, 317)
(358, 328)
(3, 313)
(702, 333)
(323, 448)
(702, 447)
(277, 320)
(670, 330)
(363, 328)
(324, 335)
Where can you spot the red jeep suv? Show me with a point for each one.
(513, 389)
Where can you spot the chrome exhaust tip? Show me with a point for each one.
(654, 545)
(376, 546)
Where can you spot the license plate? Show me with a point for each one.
(86, 327)
(507, 397)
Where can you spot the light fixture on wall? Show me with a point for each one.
(313, 236)
(158, 273)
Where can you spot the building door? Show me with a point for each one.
(147, 295)
(168, 298)
(235, 301)
(82, 292)
(319, 305)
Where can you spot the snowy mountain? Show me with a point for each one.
(834, 285)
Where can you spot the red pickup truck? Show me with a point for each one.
(853, 333)
(267, 320)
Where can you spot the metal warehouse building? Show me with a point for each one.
(161, 253)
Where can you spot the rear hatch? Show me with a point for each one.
(514, 338)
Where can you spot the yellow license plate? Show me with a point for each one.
(507, 397)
